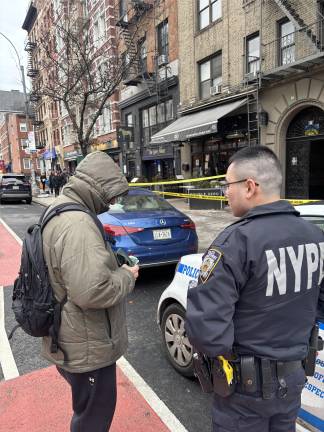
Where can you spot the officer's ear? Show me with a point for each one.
(251, 187)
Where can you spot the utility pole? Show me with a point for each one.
(34, 185)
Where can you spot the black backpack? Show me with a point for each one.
(36, 310)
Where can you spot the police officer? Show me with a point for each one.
(259, 293)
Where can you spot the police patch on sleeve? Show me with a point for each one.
(209, 263)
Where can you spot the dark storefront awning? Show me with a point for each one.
(197, 124)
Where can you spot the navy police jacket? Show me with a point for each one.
(260, 287)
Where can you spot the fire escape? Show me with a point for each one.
(285, 56)
(136, 72)
(34, 97)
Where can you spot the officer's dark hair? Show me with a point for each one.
(261, 164)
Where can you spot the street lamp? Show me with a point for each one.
(26, 102)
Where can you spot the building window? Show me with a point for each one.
(129, 119)
(23, 127)
(163, 38)
(253, 54)
(209, 11)
(210, 76)
(27, 163)
(24, 143)
(143, 56)
(155, 118)
(122, 8)
(287, 43)
(104, 122)
(99, 31)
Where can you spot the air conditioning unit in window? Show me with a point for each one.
(162, 60)
(216, 89)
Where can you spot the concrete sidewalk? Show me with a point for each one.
(208, 222)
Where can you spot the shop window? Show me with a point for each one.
(210, 76)
(287, 43)
(145, 118)
(253, 54)
(129, 119)
(155, 118)
(209, 11)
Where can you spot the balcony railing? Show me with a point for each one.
(30, 46)
(32, 73)
(37, 123)
(34, 97)
(293, 52)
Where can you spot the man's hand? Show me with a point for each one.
(133, 269)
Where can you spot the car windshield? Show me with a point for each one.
(139, 203)
(13, 179)
(316, 220)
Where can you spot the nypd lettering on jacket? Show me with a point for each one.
(309, 257)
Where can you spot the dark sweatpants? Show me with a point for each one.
(93, 399)
(244, 413)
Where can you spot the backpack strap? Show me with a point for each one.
(70, 206)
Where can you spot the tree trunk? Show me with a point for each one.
(84, 147)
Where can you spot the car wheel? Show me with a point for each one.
(176, 343)
(29, 200)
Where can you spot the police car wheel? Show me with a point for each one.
(176, 343)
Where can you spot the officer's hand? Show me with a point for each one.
(133, 269)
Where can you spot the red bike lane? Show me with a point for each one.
(40, 401)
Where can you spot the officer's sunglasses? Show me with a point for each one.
(225, 185)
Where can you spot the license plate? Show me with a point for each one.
(15, 187)
(162, 234)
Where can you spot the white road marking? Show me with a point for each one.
(11, 231)
(168, 418)
(7, 361)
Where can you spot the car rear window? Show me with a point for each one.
(14, 179)
(316, 220)
(139, 203)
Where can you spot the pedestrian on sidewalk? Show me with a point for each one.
(83, 270)
(51, 182)
(259, 293)
(43, 181)
(57, 183)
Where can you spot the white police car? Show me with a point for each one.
(171, 318)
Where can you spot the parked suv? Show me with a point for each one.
(15, 187)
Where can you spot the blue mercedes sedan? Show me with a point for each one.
(146, 226)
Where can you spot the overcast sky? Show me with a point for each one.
(12, 15)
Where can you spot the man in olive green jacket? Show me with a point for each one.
(93, 333)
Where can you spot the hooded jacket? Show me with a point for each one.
(81, 266)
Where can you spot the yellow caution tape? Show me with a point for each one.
(169, 182)
(194, 196)
(228, 370)
(298, 202)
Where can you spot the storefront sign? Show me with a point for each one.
(72, 154)
(158, 152)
